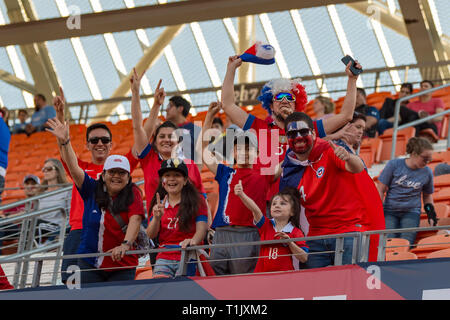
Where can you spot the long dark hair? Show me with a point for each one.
(189, 205)
(165, 124)
(293, 197)
(121, 203)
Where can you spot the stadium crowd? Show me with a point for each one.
(278, 179)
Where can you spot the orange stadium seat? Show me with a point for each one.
(430, 244)
(397, 245)
(443, 195)
(402, 139)
(397, 256)
(444, 253)
(370, 151)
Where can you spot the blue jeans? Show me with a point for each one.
(70, 247)
(383, 124)
(2, 186)
(316, 260)
(400, 220)
(100, 275)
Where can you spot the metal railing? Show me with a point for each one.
(360, 249)
(27, 244)
(416, 122)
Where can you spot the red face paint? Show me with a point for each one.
(306, 144)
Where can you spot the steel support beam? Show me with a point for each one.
(16, 82)
(423, 35)
(150, 56)
(246, 33)
(36, 55)
(151, 16)
(391, 21)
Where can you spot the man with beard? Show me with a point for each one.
(280, 98)
(327, 178)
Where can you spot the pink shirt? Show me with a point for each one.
(430, 107)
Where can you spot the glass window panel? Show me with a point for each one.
(323, 39)
(290, 44)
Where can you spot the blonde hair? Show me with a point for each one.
(327, 103)
(61, 178)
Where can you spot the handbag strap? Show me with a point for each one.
(118, 218)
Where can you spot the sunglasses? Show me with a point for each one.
(298, 133)
(48, 169)
(95, 140)
(284, 95)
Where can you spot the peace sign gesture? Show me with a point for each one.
(158, 208)
(135, 80)
(160, 94)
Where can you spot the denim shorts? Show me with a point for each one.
(166, 267)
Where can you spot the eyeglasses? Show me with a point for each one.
(284, 95)
(297, 133)
(426, 159)
(48, 169)
(120, 173)
(95, 140)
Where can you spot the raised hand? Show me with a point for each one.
(214, 108)
(135, 80)
(349, 72)
(158, 208)
(160, 94)
(238, 189)
(59, 129)
(234, 62)
(340, 152)
(59, 102)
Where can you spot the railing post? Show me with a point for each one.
(364, 249)
(182, 269)
(37, 273)
(339, 251)
(356, 248)
(382, 247)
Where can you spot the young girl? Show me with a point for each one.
(180, 220)
(406, 182)
(285, 210)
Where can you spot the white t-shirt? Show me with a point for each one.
(62, 200)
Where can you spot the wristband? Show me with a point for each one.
(128, 243)
(65, 143)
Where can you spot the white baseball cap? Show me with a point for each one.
(116, 161)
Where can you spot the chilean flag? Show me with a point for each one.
(259, 53)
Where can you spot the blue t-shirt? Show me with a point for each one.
(405, 186)
(5, 138)
(39, 118)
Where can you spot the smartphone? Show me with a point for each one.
(353, 69)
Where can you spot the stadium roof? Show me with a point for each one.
(187, 43)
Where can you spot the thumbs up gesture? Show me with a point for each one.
(238, 190)
(158, 208)
(340, 152)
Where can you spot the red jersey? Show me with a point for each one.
(273, 145)
(169, 233)
(101, 232)
(231, 211)
(329, 194)
(76, 203)
(151, 161)
(277, 257)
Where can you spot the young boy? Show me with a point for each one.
(233, 221)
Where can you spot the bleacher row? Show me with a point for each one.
(27, 155)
